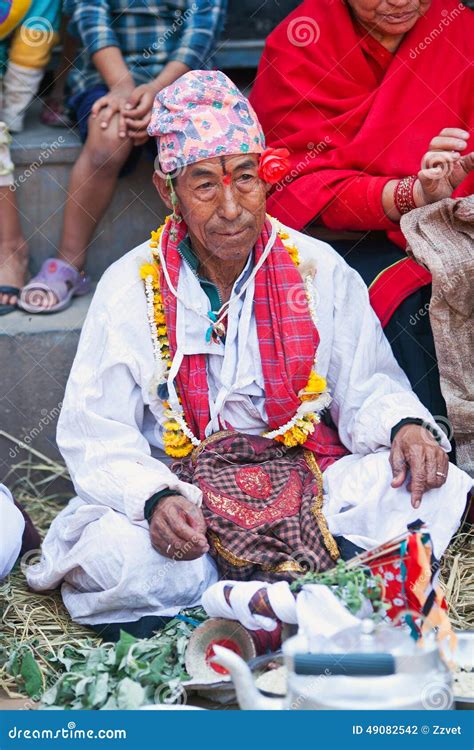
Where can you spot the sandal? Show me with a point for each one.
(55, 114)
(14, 291)
(55, 279)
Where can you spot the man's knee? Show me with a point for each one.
(105, 150)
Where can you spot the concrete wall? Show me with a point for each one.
(36, 352)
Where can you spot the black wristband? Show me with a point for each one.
(415, 420)
(153, 501)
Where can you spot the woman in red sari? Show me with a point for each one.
(374, 99)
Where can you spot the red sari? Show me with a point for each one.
(368, 116)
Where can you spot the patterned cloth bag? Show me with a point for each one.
(262, 502)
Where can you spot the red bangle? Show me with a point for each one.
(403, 196)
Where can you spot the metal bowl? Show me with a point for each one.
(463, 656)
(263, 664)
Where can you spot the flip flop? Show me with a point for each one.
(58, 278)
(54, 114)
(13, 290)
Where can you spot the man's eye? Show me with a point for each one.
(246, 177)
(205, 186)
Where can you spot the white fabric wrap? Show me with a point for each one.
(239, 599)
(282, 602)
(321, 613)
(12, 525)
(215, 603)
(6, 165)
(280, 597)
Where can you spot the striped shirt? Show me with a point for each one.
(149, 34)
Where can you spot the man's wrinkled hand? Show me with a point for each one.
(178, 529)
(415, 450)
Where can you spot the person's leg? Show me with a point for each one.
(110, 572)
(411, 338)
(13, 248)
(91, 187)
(12, 526)
(29, 53)
(361, 505)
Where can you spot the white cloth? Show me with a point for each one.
(316, 609)
(320, 613)
(110, 572)
(12, 526)
(279, 595)
(110, 428)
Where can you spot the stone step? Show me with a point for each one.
(43, 158)
(36, 353)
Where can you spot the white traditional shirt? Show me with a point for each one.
(110, 428)
(110, 433)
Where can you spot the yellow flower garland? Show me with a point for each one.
(177, 443)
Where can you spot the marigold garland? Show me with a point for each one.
(177, 437)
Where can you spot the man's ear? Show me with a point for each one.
(160, 184)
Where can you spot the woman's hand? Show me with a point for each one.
(111, 103)
(443, 167)
(178, 529)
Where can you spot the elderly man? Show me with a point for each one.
(249, 353)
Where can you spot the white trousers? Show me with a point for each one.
(12, 525)
(110, 573)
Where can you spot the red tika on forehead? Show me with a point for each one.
(226, 179)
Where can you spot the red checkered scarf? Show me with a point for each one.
(288, 340)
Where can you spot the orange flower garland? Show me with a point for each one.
(178, 439)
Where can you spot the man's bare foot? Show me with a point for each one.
(13, 267)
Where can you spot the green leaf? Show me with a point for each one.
(14, 664)
(130, 694)
(98, 694)
(31, 674)
(122, 646)
(49, 697)
(157, 665)
(81, 686)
